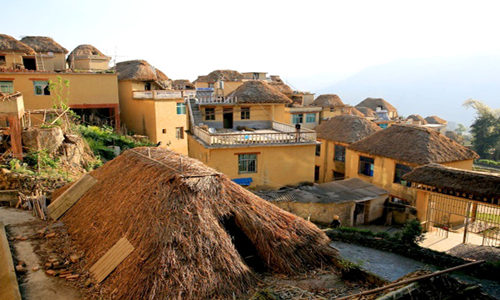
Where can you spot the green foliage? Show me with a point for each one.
(489, 162)
(59, 89)
(18, 167)
(41, 160)
(101, 138)
(411, 233)
(485, 130)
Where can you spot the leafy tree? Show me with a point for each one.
(485, 130)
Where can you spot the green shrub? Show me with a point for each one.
(411, 233)
(488, 162)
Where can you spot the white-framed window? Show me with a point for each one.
(181, 108)
(41, 87)
(209, 114)
(245, 113)
(311, 118)
(6, 86)
(297, 118)
(179, 133)
(247, 163)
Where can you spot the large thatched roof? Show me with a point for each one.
(346, 129)
(373, 103)
(8, 43)
(354, 111)
(417, 118)
(328, 100)
(435, 120)
(225, 75)
(196, 234)
(413, 144)
(463, 181)
(139, 70)
(280, 85)
(43, 44)
(183, 84)
(85, 51)
(367, 112)
(256, 91)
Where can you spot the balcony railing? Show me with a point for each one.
(215, 99)
(280, 134)
(163, 94)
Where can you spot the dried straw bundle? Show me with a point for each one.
(173, 209)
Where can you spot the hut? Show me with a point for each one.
(196, 234)
(435, 120)
(331, 105)
(367, 112)
(280, 85)
(220, 82)
(379, 104)
(256, 91)
(218, 75)
(183, 84)
(335, 135)
(436, 123)
(88, 58)
(416, 119)
(50, 55)
(15, 54)
(142, 71)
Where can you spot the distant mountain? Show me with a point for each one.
(434, 86)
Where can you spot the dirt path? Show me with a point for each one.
(34, 284)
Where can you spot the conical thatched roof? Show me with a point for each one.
(183, 84)
(192, 228)
(225, 75)
(373, 103)
(435, 120)
(255, 91)
(8, 43)
(417, 118)
(43, 44)
(328, 100)
(367, 112)
(346, 129)
(85, 51)
(463, 181)
(355, 112)
(139, 70)
(413, 144)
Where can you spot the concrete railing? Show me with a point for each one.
(163, 94)
(216, 100)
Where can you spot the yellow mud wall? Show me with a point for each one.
(321, 213)
(167, 120)
(12, 58)
(326, 163)
(463, 164)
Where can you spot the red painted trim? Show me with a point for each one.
(82, 106)
(7, 79)
(246, 153)
(39, 79)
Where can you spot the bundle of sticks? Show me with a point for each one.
(36, 203)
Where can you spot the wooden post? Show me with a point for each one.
(15, 136)
(466, 222)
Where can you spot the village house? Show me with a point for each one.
(335, 135)
(247, 136)
(416, 120)
(380, 106)
(220, 82)
(330, 104)
(30, 67)
(385, 156)
(436, 123)
(149, 106)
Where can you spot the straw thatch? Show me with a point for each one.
(190, 226)
(280, 85)
(354, 111)
(463, 181)
(183, 84)
(328, 100)
(367, 112)
(435, 120)
(84, 51)
(8, 43)
(346, 129)
(255, 91)
(373, 103)
(43, 44)
(413, 144)
(417, 118)
(225, 75)
(139, 70)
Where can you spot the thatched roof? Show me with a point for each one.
(355, 112)
(346, 129)
(43, 44)
(417, 118)
(255, 91)
(8, 43)
(413, 144)
(192, 228)
(463, 181)
(328, 100)
(373, 103)
(139, 70)
(435, 120)
(183, 84)
(225, 75)
(280, 85)
(367, 112)
(84, 51)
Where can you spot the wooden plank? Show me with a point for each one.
(67, 199)
(9, 289)
(111, 259)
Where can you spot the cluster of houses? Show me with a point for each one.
(250, 126)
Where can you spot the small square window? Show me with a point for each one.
(179, 133)
(399, 171)
(247, 163)
(163, 130)
(245, 113)
(297, 118)
(311, 118)
(181, 108)
(6, 86)
(209, 114)
(41, 88)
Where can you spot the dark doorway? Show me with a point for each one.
(29, 63)
(359, 214)
(243, 245)
(228, 118)
(96, 116)
(316, 173)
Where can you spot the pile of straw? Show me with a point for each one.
(173, 209)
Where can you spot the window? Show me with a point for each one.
(366, 165)
(339, 154)
(318, 149)
(338, 176)
(316, 173)
(247, 163)
(147, 86)
(297, 118)
(211, 85)
(332, 109)
(163, 131)
(6, 86)
(245, 113)
(399, 172)
(311, 118)
(2, 60)
(209, 114)
(41, 88)
(179, 133)
(181, 108)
